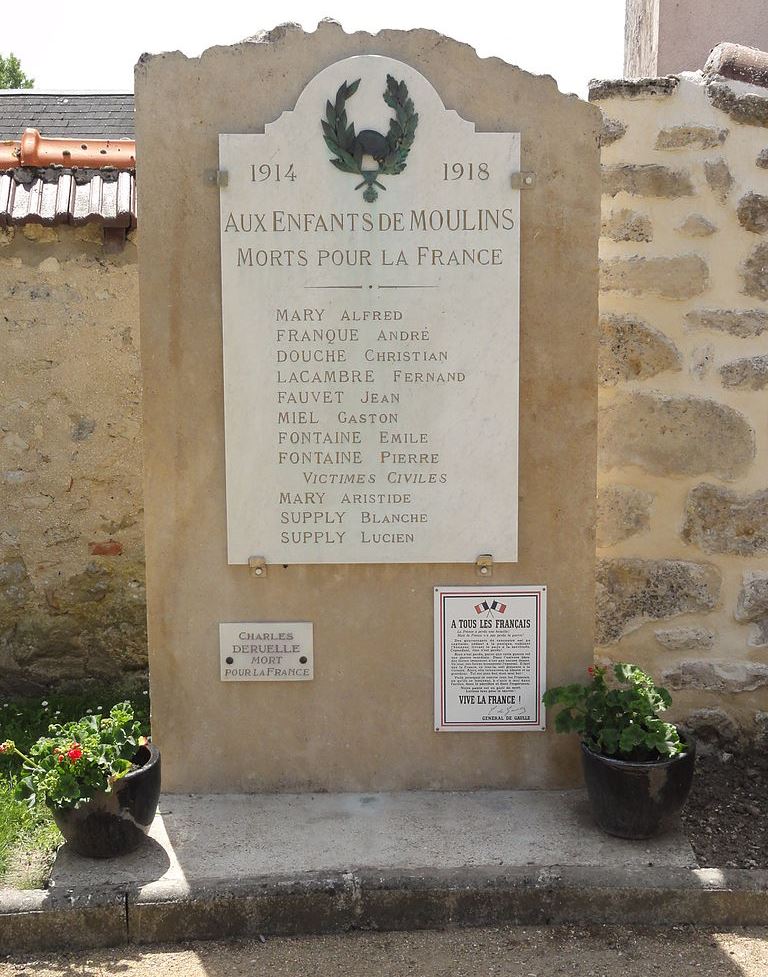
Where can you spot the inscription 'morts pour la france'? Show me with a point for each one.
(370, 291)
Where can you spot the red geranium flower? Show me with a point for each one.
(591, 670)
(74, 753)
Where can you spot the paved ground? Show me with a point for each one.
(237, 866)
(240, 836)
(515, 951)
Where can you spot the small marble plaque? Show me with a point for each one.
(266, 651)
(490, 658)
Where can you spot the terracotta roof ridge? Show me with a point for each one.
(738, 62)
(36, 150)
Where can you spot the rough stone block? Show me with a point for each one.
(753, 597)
(93, 624)
(701, 361)
(713, 729)
(633, 88)
(750, 373)
(748, 109)
(719, 520)
(762, 159)
(6, 235)
(719, 178)
(754, 273)
(90, 586)
(717, 676)
(752, 606)
(685, 639)
(90, 233)
(668, 435)
(690, 137)
(83, 428)
(612, 130)
(14, 443)
(15, 588)
(696, 225)
(630, 349)
(631, 592)
(680, 277)
(40, 234)
(752, 212)
(622, 511)
(627, 225)
(761, 729)
(646, 180)
(743, 323)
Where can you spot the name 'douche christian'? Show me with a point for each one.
(370, 352)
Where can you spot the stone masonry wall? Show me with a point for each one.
(683, 373)
(71, 534)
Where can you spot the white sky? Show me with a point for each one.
(95, 47)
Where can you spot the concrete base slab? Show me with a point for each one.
(235, 836)
(229, 866)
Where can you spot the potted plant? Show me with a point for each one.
(637, 769)
(99, 777)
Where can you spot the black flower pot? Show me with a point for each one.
(636, 799)
(115, 823)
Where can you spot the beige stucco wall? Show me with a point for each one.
(71, 529)
(665, 37)
(683, 533)
(689, 29)
(365, 722)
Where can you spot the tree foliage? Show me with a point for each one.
(11, 74)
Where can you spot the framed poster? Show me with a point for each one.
(490, 658)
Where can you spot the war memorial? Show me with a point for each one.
(370, 427)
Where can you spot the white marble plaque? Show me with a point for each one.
(266, 651)
(370, 270)
(490, 658)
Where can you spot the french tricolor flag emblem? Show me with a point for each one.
(494, 605)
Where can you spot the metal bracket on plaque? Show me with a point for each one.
(216, 178)
(257, 566)
(484, 565)
(523, 180)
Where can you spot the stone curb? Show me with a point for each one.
(162, 912)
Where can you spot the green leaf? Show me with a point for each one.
(609, 741)
(630, 737)
(341, 97)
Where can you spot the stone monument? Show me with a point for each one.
(368, 304)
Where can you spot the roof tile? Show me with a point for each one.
(56, 195)
(95, 116)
